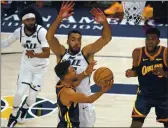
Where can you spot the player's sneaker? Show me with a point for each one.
(114, 8)
(147, 12)
(22, 115)
(12, 121)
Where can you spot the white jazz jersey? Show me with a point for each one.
(80, 63)
(35, 42)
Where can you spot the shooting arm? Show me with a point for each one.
(80, 97)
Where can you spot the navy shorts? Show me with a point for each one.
(144, 103)
(62, 124)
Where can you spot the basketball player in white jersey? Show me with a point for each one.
(34, 62)
(79, 58)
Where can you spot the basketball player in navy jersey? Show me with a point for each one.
(150, 65)
(68, 99)
(79, 58)
(34, 61)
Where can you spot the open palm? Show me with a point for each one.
(98, 15)
(66, 9)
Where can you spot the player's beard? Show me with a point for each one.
(154, 50)
(30, 28)
(74, 51)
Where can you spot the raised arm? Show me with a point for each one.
(106, 33)
(53, 42)
(11, 39)
(136, 56)
(86, 73)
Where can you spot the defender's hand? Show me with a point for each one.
(90, 68)
(98, 15)
(66, 9)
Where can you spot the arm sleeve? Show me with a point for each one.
(11, 39)
(42, 37)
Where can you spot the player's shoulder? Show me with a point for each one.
(68, 91)
(164, 47)
(137, 50)
(18, 29)
(41, 28)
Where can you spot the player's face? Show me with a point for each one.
(72, 74)
(152, 41)
(30, 24)
(74, 42)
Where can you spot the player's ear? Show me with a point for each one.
(68, 41)
(159, 41)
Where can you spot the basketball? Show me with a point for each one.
(102, 75)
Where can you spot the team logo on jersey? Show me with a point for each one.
(159, 59)
(145, 59)
(42, 107)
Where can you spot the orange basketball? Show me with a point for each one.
(102, 75)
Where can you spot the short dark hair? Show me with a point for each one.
(61, 69)
(153, 31)
(74, 31)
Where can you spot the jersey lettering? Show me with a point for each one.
(74, 62)
(29, 45)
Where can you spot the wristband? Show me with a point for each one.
(85, 73)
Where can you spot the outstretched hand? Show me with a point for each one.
(90, 67)
(66, 9)
(98, 15)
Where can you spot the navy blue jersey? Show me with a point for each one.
(148, 82)
(68, 115)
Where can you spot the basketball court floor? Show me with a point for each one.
(112, 110)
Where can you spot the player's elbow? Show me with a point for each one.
(47, 54)
(49, 37)
(90, 100)
(107, 40)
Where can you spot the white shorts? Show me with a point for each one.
(34, 79)
(87, 115)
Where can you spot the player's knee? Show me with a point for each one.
(21, 89)
(31, 101)
(19, 93)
